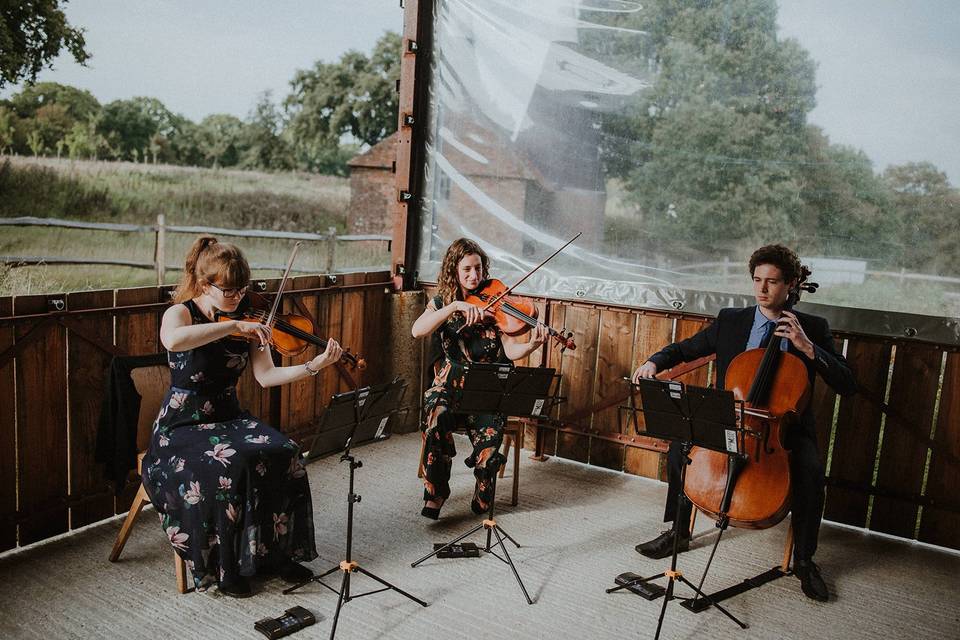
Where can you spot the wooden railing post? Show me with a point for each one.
(331, 248)
(159, 257)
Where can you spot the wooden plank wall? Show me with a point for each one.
(892, 452)
(55, 352)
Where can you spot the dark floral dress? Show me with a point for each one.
(232, 494)
(477, 343)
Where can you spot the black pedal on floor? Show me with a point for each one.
(648, 590)
(458, 550)
(291, 621)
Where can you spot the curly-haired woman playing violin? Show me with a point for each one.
(464, 336)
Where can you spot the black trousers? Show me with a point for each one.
(807, 493)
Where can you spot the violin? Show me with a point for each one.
(752, 490)
(291, 334)
(512, 315)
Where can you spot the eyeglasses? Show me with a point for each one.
(232, 293)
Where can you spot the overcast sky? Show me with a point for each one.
(213, 56)
(888, 76)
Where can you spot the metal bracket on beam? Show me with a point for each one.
(407, 119)
(405, 196)
(412, 46)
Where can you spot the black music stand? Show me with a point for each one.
(354, 418)
(505, 390)
(693, 416)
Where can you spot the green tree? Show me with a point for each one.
(353, 99)
(79, 104)
(84, 141)
(927, 211)
(52, 109)
(220, 139)
(6, 129)
(52, 122)
(266, 148)
(183, 147)
(846, 207)
(35, 142)
(32, 33)
(713, 150)
(138, 127)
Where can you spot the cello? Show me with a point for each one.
(751, 490)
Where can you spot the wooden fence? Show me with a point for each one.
(55, 352)
(892, 452)
(160, 231)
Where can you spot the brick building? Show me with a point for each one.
(372, 189)
(483, 183)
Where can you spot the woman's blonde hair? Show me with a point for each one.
(210, 261)
(448, 287)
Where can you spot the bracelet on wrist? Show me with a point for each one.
(306, 365)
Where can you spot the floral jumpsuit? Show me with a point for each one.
(477, 343)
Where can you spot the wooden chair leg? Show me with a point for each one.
(181, 568)
(135, 508)
(517, 447)
(507, 440)
(787, 549)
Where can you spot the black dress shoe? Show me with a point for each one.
(238, 587)
(811, 582)
(662, 546)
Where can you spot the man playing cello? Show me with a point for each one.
(776, 270)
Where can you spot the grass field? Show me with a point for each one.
(137, 193)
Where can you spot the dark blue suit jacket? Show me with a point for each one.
(727, 337)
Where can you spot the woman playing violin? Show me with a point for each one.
(231, 492)
(465, 335)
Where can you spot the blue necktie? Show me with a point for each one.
(767, 333)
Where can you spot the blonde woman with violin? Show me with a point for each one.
(465, 335)
(231, 492)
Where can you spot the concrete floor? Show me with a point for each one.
(577, 525)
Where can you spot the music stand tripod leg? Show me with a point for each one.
(344, 586)
(449, 544)
(318, 578)
(513, 568)
(390, 586)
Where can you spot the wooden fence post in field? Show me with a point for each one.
(331, 247)
(159, 257)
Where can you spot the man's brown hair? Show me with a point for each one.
(779, 256)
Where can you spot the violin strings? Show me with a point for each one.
(300, 333)
(520, 315)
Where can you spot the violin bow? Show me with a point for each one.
(503, 293)
(283, 283)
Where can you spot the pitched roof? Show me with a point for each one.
(379, 156)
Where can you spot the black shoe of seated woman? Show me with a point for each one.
(477, 507)
(293, 572)
(238, 587)
(432, 512)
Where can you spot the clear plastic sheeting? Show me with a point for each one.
(676, 137)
